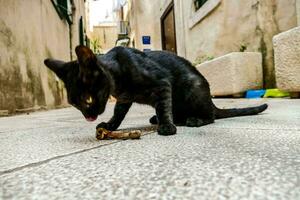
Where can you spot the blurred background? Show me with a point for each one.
(240, 46)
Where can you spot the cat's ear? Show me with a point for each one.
(85, 56)
(88, 67)
(57, 66)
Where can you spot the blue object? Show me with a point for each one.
(251, 94)
(146, 39)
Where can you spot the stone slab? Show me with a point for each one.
(233, 73)
(287, 60)
(194, 164)
(253, 157)
(27, 139)
(4, 113)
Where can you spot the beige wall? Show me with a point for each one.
(234, 24)
(298, 11)
(231, 25)
(77, 13)
(145, 21)
(31, 31)
(107, 35)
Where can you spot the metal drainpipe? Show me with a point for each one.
(70, 40)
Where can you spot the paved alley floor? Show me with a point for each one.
(55, 155)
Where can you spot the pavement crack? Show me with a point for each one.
(35, 164)
(53, 158)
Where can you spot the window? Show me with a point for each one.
(202, 9)
(199, 3)
(64, 9)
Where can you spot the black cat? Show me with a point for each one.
(169, 83)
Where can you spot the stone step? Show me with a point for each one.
(4, 113)
(287, 60)
(233, 73)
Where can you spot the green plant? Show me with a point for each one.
(95, 46)
(203, 58)
(243, 47)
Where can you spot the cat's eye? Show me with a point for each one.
(89, 100)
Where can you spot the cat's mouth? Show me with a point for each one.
(91, 119)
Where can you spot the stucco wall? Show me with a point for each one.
(145, 21)
(30, 31)
(235, 25)
(247, 25)
(78, 11)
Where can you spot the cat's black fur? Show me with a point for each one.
(168, 83)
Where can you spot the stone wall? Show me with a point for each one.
(231, 26)
(31, 31)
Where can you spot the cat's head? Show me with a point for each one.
(86, 81)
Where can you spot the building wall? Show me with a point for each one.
(298, 11)
(78, 11)
(31, 31)
(107, 36)
(244, 25)
(144, 17)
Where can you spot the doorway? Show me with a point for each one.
(168, 34)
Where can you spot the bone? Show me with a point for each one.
(103, 134)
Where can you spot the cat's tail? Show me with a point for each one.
(234, 112)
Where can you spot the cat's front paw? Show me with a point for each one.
(107, 126)
(166, 129)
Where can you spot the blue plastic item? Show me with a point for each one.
(251, 94)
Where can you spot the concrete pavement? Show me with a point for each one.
(54, 155)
